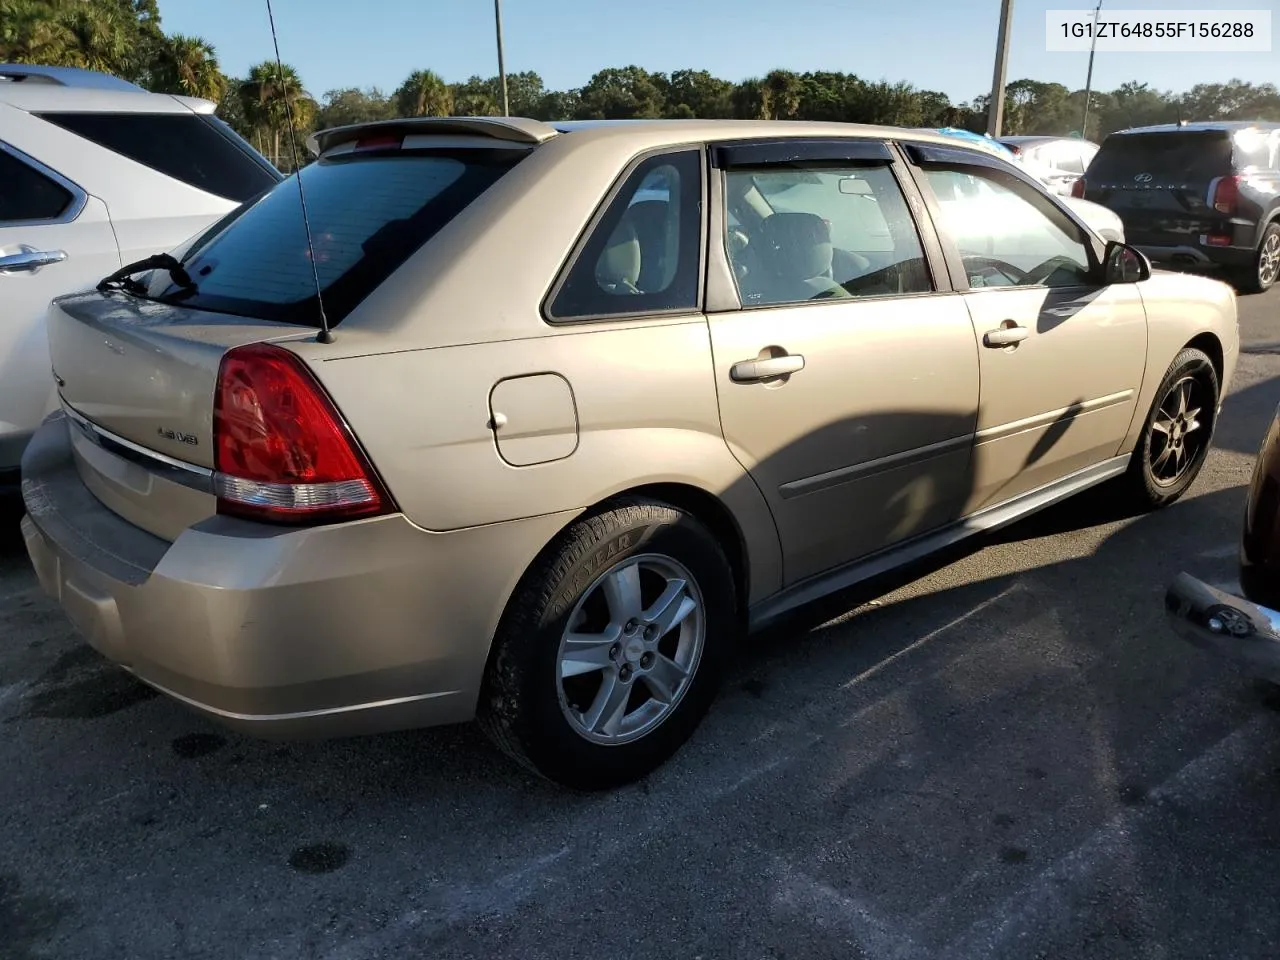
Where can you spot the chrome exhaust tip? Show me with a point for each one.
(1226, 624)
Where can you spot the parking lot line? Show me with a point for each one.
(1049, 898)
(931, 635)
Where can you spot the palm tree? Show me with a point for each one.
(189, 66)
(782, 91)
(29, 33)
(424, 94)
(103, 39)
(271, 97)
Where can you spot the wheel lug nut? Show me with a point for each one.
(614, 651)
(646, 661)
(631, 626)
(625, 672)
(650, 632)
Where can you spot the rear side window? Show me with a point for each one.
(187, 147)
(1169, 157)
(26, 194)
(643, 256)
(368, 214)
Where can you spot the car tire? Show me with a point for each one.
(1156, 477)
(1261, 275)
(551, 690)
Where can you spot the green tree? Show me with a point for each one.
(475, 98)
(424, 94)
(824, 95)
(622, 93)
(894, 104)
(270, 97)
(339, 108)
(696, 93)
(188, 66)
(559, 105)
(782, 93)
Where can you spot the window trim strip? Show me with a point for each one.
(793, 150)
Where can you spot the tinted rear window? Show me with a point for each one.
(1169, 157)
(187, 147)
(368, 214)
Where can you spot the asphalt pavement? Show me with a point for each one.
(1010, 757)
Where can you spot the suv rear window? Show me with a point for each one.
(188, 147)
(1169, 157)
(368, 214)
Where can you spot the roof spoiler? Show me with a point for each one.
(35, 73)
(509, 129)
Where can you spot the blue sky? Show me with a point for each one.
(944, 45)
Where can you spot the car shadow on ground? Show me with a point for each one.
(994, 711)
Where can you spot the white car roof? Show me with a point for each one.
(38, 88)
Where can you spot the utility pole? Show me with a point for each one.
(1088, 81)
(502, 69)
(995, 110)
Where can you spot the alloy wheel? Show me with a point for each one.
(1269, 260)
(630, 649)
(1179, 430)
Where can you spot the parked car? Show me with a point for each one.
(1244, 626)
(94, 172)
(1058, 161)
(1102, 221)
(491, 438)
(1196, 195)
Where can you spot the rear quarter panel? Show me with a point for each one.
(1181, 307)
(644, 409)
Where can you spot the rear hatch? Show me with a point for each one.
(139, 369)
(1161, 183)
(137, 380)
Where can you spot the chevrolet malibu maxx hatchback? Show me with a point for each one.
(535, 421)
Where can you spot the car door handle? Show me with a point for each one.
(29, 259)
(753, 371)
(1005, 336)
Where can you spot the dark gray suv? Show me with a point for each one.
(1196, 194)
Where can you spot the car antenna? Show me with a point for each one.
(324, 336)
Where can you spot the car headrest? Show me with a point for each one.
(799, 245)
(619, 263)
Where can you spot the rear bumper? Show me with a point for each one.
(328, 631)
(1228, 625)
(1201, 256)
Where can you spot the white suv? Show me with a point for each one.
(95, 173)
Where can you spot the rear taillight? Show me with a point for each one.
(282, 452)
(1077, 188)
(1226, 195)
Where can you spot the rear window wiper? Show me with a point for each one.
(123, 278)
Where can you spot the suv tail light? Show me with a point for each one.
(1226, 195)
(1077, 188)
(282, 452)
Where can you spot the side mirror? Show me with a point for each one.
(1125, 264)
